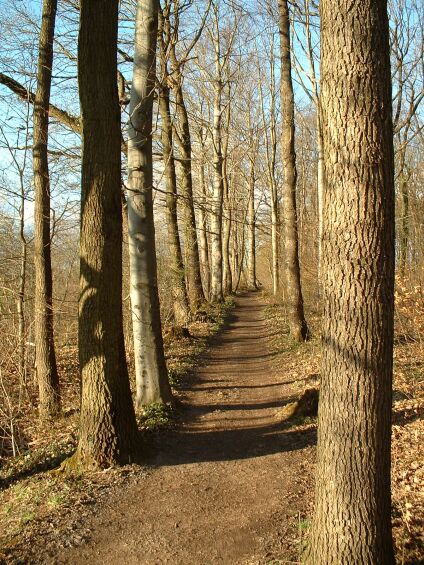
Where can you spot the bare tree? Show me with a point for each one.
(107, 422)
(180, 306)
(45, 356)
(151, 372)
(352, 518)
(294, 298)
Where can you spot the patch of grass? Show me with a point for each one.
(27, 516)
(157, 416)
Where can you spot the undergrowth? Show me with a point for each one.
(31, 492)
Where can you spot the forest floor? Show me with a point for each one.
(232, 482)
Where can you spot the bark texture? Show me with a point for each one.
(108, 427)
(294, 298)
(151, 373)
(45, 356)
(194, 280)
(181, 306)
(352, 505)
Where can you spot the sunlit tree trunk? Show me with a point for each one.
(194, 280)
(181, 306)
(45, 356)
(203, 237)
(107, 421)
(271, 158)
(352, 519)
(294, 298)
(227, 282)
(251, 227)
(151, 374)
(216, 294)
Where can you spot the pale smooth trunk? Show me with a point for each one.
(152, 385)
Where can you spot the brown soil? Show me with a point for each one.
(230, 484)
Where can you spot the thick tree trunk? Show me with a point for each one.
(294, 298)
(45, 357)
(181, 306)
(108, 426)
(151, 373)
(352, 505)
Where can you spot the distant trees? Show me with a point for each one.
(352, 519)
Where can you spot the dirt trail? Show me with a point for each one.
(228, 484)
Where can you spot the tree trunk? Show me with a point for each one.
(275, 243)
(45, 357)
(203, 238)
(352, 504)
(194, 279)
(181, 305)
(108, 427)
(297, 322)
(320, 189)
(227, 282)
(22, 285)
(218, 192)
(251, 225)
(150, 367)
(404, 223)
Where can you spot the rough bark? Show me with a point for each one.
(151, 373)
(181, 306)
(45, 356)
(294, 298)
(193, 274)
(194, 279)
(108, 426)
(351, 522)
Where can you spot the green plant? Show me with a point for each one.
(157, 416)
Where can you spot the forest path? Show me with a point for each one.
(228, 483)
